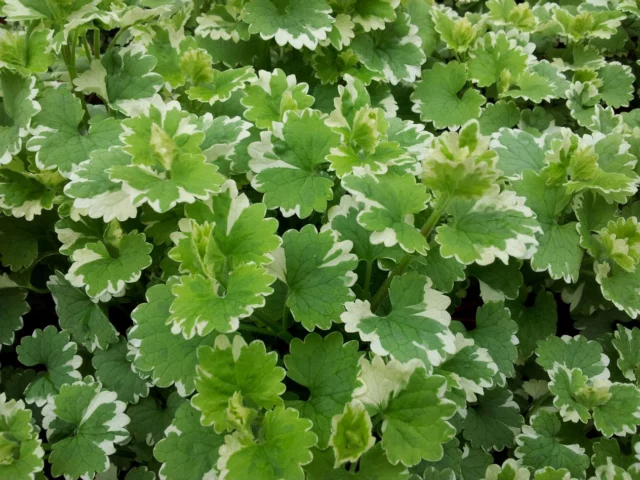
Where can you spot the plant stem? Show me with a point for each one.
(588, 273)
(96, 43)
(87, 49)
(262, 331)
(33, 289)
(536, 405)
(114, 40)
(195, 12)
(274, 327)
(285, 317)
(71, 55)
(27, 37)
(399, 269)
(367, 280)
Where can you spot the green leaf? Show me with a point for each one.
(575, 395)
(581, 100)
(494, 421)
(232, 54)
(507, 12)
(294, 22)
(83, 418)
(76, 234)
(510, 470)
(345, 160)
(224, 139)
(140, 473)
(288, 162)
(12, 307)
(550, 473)
(52, 349)
(443, 272)
(599, 163)
(540, 445)
(189, 451)
(618, 242)
(411, 136)
(415, 422)
(343, 219)
(104, 272)
(342, 31)
(498, 225)
(627, 343)
(59, 143)
(460, 164)
(151, 416)
(420, 13)
(496, 332)
(498, 281)
(20, 448)
(468, 463)
(559, 250)
(438, 97)
(495, 116)
(351, 433)
(518, 151)
(535, 322)
(93, 190)
(621, 413)
(23, 56)
(167, 57)
(191, 179)
(552, 73)
(24, 194)
(379, 380)
(609, 448)
(233, 376)
(169, 358)
(373, 14)
(221, 86)
(203, 305)
(373, 466)
(493, 54)
(222, 23)
(284, 446)
(457, 33)
(240, 234)
(393, 52)
(621, 287)
(160, 134)
(596, 24)
(115, 371)
(19, 241)
(129, 79)
(416, 330)
(271, 95)
(469, 369)
(18, 106)
(195, 64)
(573, 352)
(318, 272)
(532, 86)
(87, 322)
(329, 369)
(390, 201)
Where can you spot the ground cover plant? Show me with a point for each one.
(319, 239)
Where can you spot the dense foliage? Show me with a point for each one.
(321, 239)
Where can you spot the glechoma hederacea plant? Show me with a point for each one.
(319, 239)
